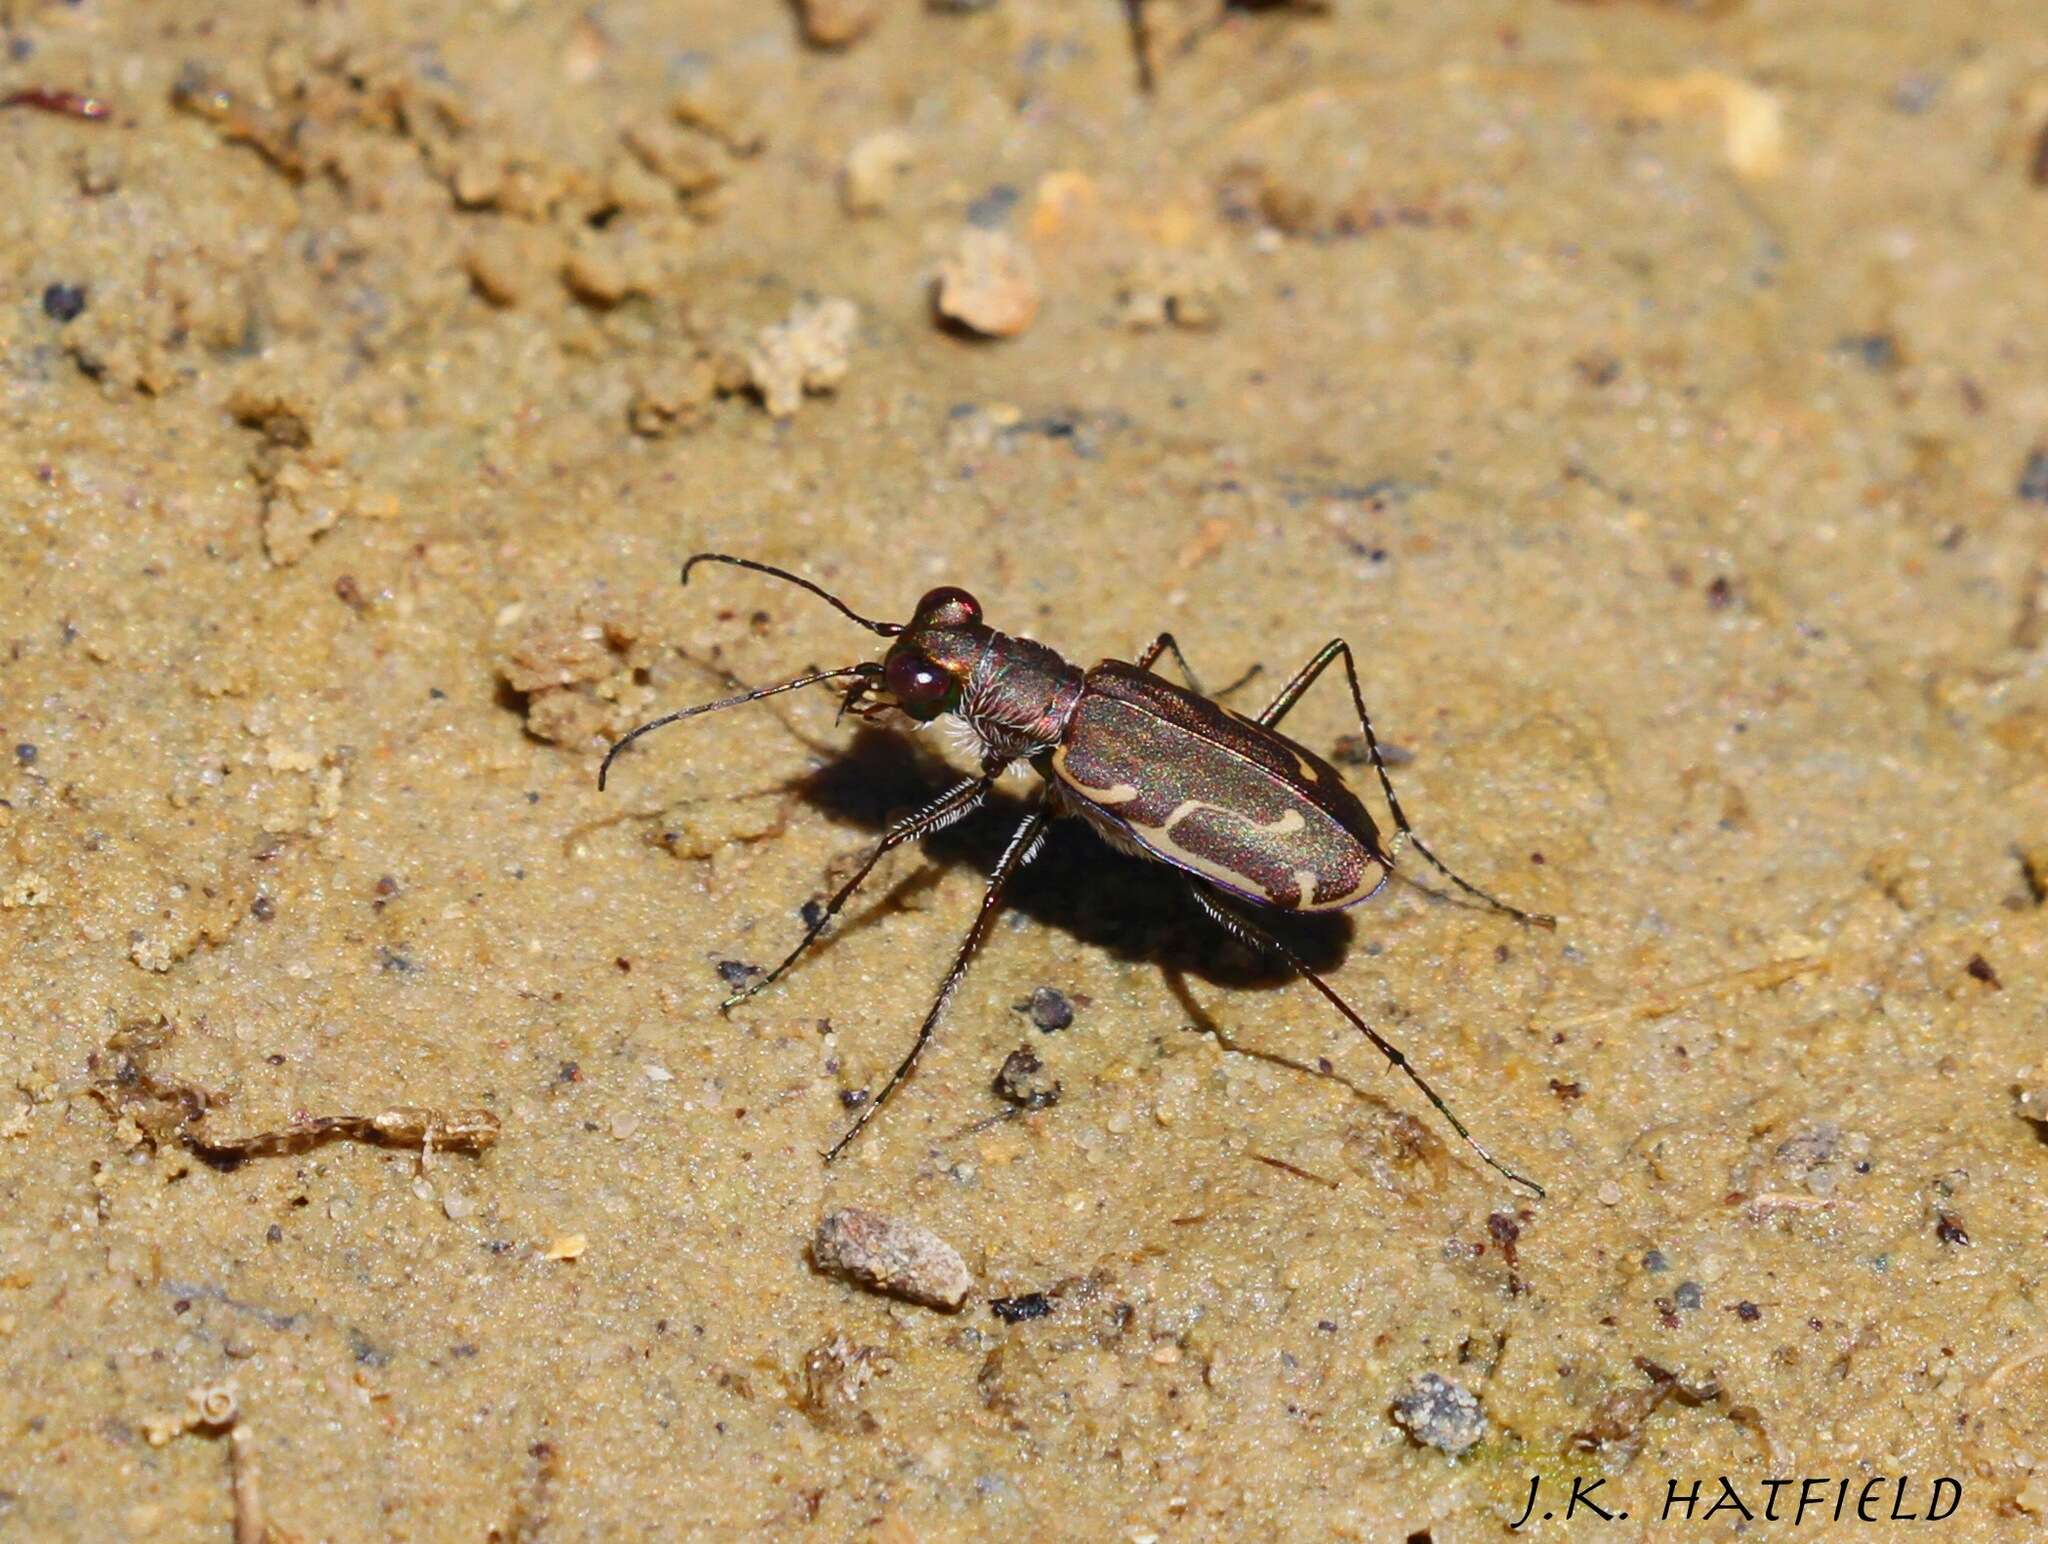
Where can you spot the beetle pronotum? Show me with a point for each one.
(1157, 770)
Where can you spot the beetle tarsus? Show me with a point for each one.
(1293, 692)
(1023, 846)
(1260, 938)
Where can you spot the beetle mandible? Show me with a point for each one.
(1158, 770)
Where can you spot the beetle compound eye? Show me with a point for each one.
(914, 680)
(949, 606)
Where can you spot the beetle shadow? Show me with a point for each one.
(1134, 909)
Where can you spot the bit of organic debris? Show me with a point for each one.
(885, 1254)
(1440, 1414)
(836, 1378)
(1505, 1229)
(1950, 1230)
(1023, 1081)
(988, 284)
(1017, 1310)
(464, 1131)
(180, 1112)
(1295, 1169)
(1619, 1419)
(215, 1410)
(66, 104)
(1049, 1008)
(1658, 1005)
(1351, 750)
(203, 94)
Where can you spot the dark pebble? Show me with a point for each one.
(2033, 484)
(1023, 1081)
(1689, 1295)
(1049, 1009)
(993, 207)
(25, 753)
(813, 913)
(1655, 1262)
(263, 908)
(737, 972)
(1440, 1414)
(1015, 1310)
(64, 302)
(1874, 350)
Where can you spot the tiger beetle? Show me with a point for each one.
(1164, 772)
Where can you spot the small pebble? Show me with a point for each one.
(1016, 1310)
(885, 1254)
(64, 302)
(1609, 1193)
(1689, 1294)
(989, 284)
(1049, 1009)
(993, 207)
(737, 973)
(25, 753)
(1023, 1081)
(874, 170)
(1440, 1414)
(2033, 483)
(838, 23)
(1654, 1262)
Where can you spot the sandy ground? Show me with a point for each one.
(1656, 394)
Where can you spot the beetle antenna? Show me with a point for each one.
(812, 678)
(886, 629)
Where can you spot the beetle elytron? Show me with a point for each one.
(1158, 770)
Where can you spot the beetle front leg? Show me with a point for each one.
(946, 808)
(1293, 692)
(1023, 846)
(1166, 643)
(1249, 932)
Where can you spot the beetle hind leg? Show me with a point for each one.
(1166, 643)
(1404, 831)
(1249, 932)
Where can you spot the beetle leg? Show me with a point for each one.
(1259, 938)
(1166, 642)
(1023, 847)
(945, 809)
(1292, 693)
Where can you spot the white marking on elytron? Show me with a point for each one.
(1362, 891)
(1160, 840)
(1286, 825)
(1116, 793)
(1305, 884)
(1166, 847)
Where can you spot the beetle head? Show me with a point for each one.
(926, 669)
